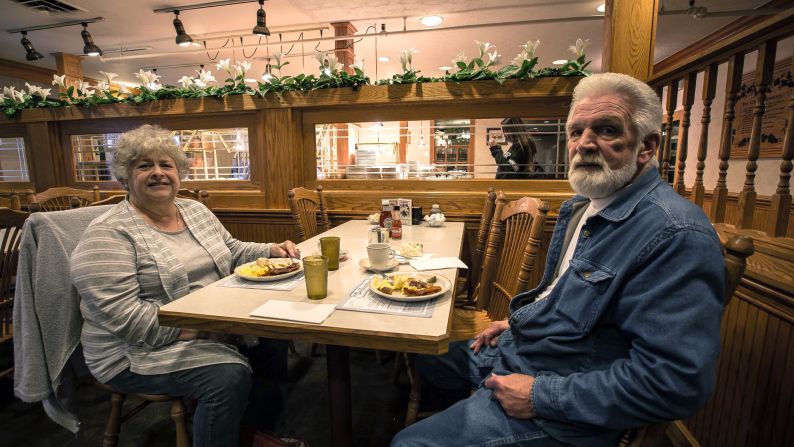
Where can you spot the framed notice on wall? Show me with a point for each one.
(775, 116)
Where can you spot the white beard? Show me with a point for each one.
(598, 183)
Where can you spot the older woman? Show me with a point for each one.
(147, 251)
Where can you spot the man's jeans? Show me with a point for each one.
(221, 391)
(476, 421)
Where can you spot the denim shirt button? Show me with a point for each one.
(586, 233)
(587, 274)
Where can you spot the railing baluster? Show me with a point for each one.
(664, 157)
(733, 84)
(763, 79)
(688, 99)
(780, 209)
(709, 91)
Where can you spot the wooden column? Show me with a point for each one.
(781, 201)
(401, 149)
(26, 72)
(69, 65)
(344, 48)
(664, 150)
(342, 148)
(732, 86)
(629, 37)
(683, 141)
(763, 79)
(709, 90)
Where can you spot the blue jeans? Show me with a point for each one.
(220, 390)
(476, 421)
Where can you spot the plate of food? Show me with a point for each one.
(409, 286)
(269, 269)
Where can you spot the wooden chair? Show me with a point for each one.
(736, 250)
(512, 249)
(11, 223)
(62, 198)
(110, 200)
(475, 269)
(12, 201)
(195, 194)
(305, 205)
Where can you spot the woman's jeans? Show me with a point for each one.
(220, 390)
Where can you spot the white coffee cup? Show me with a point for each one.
(379, 255)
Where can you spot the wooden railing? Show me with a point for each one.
(752, 404)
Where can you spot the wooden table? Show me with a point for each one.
(226, 310)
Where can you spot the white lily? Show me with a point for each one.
(484, 47)
(186, 81)
(494, 58)
(580, 46)
(13, 94)
(102, 86)
(204, 78)
(459, 58)
(83, 86)
(333, 64)
(224, 65)
(406, 56)
(148, 78)
(38, 91)
(60, 81)
(320, 57)
(520, 58)
(109, 76)
(358, 63)
(277, 56)
(241, 67)
(530, 47)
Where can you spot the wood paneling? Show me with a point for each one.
(629, 37)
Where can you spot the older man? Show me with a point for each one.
(623, 330)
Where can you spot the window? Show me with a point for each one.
(212, 154)
(13, 165)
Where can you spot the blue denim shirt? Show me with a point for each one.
(631, 333)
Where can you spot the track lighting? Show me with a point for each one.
(261, 27)
(183, 39)
(267, 75)
(32, 54)
(90, 48)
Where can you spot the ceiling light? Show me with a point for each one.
(559, 62)
(267, 75)
(182, 38)
(261, 26)
(384, 59)
(31, 53)
(431, 20)
(445, 68)
(90, 49)
(602, 8)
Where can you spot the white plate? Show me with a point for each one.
(269, 278)
(343, 252)
(441, 281)
(392, 263)
(406, 259)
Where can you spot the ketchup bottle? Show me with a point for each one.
(396, 224)
(385, 220)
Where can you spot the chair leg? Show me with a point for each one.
(316, 349)
(292, 349)
(415, 397)
(113, 426)
(178, 416)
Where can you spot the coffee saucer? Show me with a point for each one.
(389, 266)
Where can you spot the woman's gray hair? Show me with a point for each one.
(141, 142)
(646, 115)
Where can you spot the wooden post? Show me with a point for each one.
(629, 37)
(709, 90)
(69, 65)
(683, 142)
(732, 86)
(763, 79)
(343, 49)
(780, 208)
(664, 151)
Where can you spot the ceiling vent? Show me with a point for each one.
(49, 6)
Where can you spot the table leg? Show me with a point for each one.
(338, 361)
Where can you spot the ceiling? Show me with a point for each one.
(132, 24)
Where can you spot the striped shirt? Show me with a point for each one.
(124, 275)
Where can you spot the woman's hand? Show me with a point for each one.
(286, 249)
(490, 336)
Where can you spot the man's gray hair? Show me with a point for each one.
(145, 141)
(646, 115)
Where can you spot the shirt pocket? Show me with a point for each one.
(582, 296)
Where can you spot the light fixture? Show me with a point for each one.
(267, 75)
(31, 53)
(601, 8)
(384, 59)
(183, 39)
(89, 49)
(559, 62)
(445, 68)
(431, 20)
(261, 27)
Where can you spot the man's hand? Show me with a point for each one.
(188, 334)
(514, 393)
(490, 336)
(286, 249)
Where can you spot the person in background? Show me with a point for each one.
(518, 162)
(624, 328)
(146, 251)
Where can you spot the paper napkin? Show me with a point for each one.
(438, 264)
(294, 311)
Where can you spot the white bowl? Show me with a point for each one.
(435, 223)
